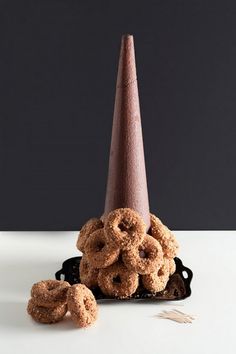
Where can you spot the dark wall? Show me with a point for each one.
(58, 70)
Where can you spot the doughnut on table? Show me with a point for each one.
(125, 327)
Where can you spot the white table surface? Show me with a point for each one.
(27, 257)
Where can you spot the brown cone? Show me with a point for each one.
(127, 183)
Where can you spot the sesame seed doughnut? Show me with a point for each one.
(125, 227)
(44, 314)
(117, 281)
(172, 266)
(88, 228)
(50, 293)
(166, 238)
(82, 305)
(88, 275)
(156, 281)
(144, 258)
(99, 251)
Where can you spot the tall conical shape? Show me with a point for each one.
(127, 182)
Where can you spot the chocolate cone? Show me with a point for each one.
(127, 182)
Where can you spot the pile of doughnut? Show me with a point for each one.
(51, 299)
(119, 255)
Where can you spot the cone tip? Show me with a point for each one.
(127, 37)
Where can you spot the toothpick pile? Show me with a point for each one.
(177, 316)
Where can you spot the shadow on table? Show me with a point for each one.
(17, 279)
(14, 317)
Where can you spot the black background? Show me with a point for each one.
(58, 71)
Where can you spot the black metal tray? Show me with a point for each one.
(177, 288)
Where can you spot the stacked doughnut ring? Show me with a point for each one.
(90, 226)
(118, 281)
(48, 301)
(52, 298)
(82, 305)
(144, 258)
(99, 251)
(88, 274)
(118, 251)
(44, 314)
(125, 227)
(166, 238)
(156, 281)
(49, 293)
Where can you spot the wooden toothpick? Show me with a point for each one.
(177, 316)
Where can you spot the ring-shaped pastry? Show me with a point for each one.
(156, 281)
(125, 227)
(88, 228)
(166, 238)
(145, 258)
(88, 275)
(100, 252)
(44, 314)
(50, 293)
(82, 305)
(117, 281)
